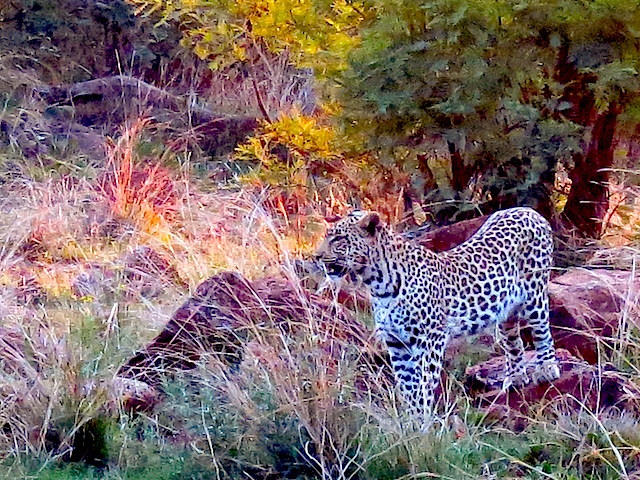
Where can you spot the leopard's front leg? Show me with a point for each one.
(417, 364)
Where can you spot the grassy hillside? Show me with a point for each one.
(81, 208)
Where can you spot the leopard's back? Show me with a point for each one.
(505, 265)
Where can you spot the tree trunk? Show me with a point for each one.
(461, 174)
(588, 200)
(634, 148)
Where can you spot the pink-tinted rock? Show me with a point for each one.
(445, 238)
(580, 386)
(228, 312)
(588, 307)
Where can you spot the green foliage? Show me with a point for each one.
(510, 87)
(286, 147)
(485, 76)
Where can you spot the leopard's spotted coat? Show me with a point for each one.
(421, 299)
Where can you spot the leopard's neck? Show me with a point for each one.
(383, 273)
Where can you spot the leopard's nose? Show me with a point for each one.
(305, 267)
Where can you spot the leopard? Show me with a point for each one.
(422, 299)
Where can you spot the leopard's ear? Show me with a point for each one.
(370, 223)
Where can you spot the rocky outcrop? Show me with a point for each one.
(591, 310)
(229, 314)
(591, 313)
(580, 386)
(215, 319)
(445, 238)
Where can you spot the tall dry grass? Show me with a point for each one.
(303, 405)
(67, 238)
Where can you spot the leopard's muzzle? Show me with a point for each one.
(335, 269)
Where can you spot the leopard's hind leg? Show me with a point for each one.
(511, 342)
(536, 314)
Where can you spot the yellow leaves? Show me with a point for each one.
(303, 133)
(298, 132)
(201, 50)
(239, 52)
(316, 32)
(207, 35)
(348, 14)
(222, 29)
(256, 148)
(311, 48)
(192, 4)
(287, 146)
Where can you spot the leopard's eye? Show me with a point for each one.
(337, 239)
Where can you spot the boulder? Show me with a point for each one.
(445, 238)
(215, 319)
(581, 385)
(229, 317)
(591, 309)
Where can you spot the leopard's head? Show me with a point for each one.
(350, 245)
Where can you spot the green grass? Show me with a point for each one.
(137, 450)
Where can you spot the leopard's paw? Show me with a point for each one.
(547, 371)
(515, 379)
